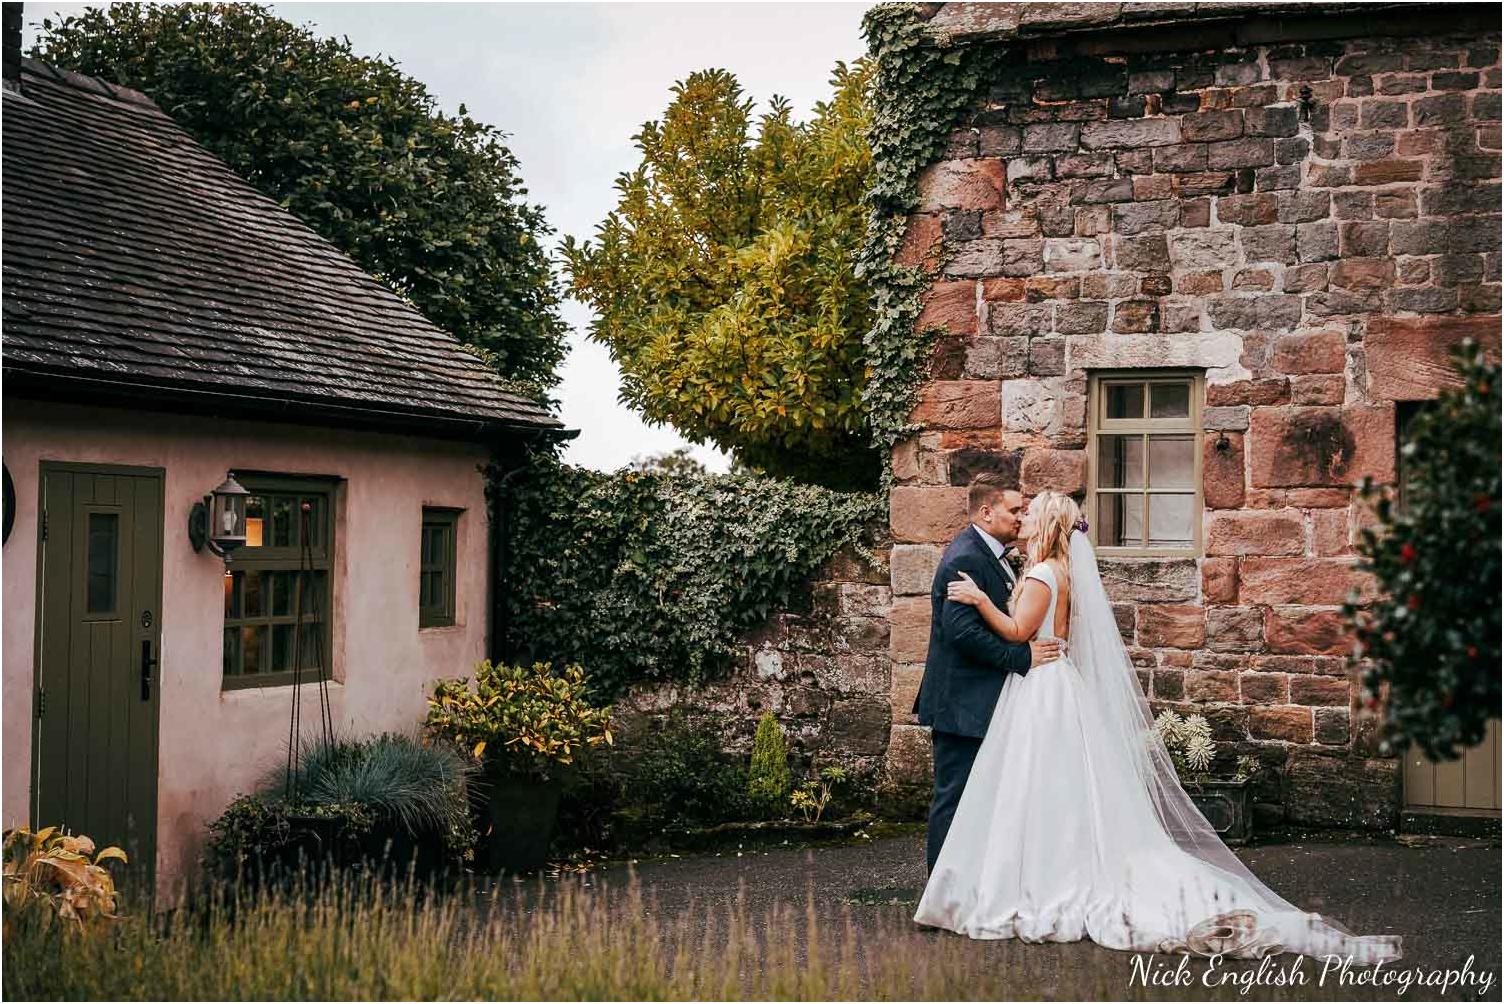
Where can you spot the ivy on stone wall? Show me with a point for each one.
(921, 90)
(651, 577)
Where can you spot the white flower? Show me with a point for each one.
(1196, 726)
(1168, 727)
(1199, 750)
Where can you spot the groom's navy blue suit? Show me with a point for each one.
(963, 675)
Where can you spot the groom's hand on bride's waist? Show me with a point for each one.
(1043, 650)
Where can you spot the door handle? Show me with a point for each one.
(147, 663)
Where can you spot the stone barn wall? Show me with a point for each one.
(1124, 200)
(821, 669)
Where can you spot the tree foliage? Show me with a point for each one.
(676, 461)
(1433, 637)
(723, 282)
(429, 203)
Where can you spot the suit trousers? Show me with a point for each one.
(953, 755)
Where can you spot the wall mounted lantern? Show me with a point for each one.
(219, 520)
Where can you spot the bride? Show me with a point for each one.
(1073, 823)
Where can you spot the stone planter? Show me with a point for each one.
(522, 811)
(1228, 806)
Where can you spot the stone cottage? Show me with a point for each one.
(166, 323)
(1197, 264)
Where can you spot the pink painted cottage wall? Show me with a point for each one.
(215, 743)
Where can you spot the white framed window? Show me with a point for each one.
(1144, 462)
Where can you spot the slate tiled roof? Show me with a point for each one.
(133, 257)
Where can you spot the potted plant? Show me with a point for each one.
(1227, 803)
(526, 724)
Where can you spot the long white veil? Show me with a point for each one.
(1262, 922)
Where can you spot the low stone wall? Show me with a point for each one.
(821, 669)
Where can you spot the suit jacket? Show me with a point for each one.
(967, 664)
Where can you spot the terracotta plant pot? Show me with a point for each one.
(1228, 806)
(522, 813)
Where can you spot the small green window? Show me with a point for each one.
(436, 567)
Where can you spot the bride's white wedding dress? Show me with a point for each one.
(1074, 825)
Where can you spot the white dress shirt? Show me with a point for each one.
(997, 547)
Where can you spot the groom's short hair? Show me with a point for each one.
(986, 489)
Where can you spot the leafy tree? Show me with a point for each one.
(674, 463)
(429, 203)
(1433, 638)
(723, 281)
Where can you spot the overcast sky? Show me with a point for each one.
(571, 84)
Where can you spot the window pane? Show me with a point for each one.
(312, 584)
(251, 639)
(251, 603)
(1172, 462)
(1120, 461)
(311, 642)
(1170, 520)
(281, 521)
(232, 651)
(281, 585)
(1170, 400)
(281, 647)
(1125, 400)
(1120, 520)
(104, 558)
(234, 591)
(255, 521)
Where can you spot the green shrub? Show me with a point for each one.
(389, 794)
(522, 719)
(768, 779)
(1433, 635)
(647, 577)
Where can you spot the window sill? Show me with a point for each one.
(269, 681)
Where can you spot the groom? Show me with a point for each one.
(967, 663)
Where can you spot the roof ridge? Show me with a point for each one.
(84, 82)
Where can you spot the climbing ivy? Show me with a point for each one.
(643, 576)
(923, 86)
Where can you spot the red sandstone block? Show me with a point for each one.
(909, 629)
(1310, 352)
(1283, 723)
(962, 184)
(959, 404)
(1318, 498)
(1292, 447)
(921, 238)
(951, 306)
(1387, 172)
(1244, 531)
(1363, 273)
(1305, 631)
(1219, 580)
(1305, 665)
(1003, 290)
(1329, 532)
(1207, 687)
(1275, 391)
(1264, 688)
(1060, 470)
(1171, 626)
(1309, 581)
(926, 515)
(1318, 388)
(1222, 471)
(1328, 691)
(1178, 660)
(1408, 356)
(906, 460)
(905, 688)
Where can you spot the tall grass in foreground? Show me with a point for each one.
(359, 939)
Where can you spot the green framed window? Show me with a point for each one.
(436, 567)
(1144, 463)
(272, 607)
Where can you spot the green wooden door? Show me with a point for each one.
(94, 760)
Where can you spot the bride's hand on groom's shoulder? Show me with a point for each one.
(964, 590)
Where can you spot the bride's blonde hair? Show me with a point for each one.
(1055, 518)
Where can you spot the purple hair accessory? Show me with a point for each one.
(1082, 525)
